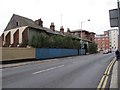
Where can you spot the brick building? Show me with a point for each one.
(86, 35)
(102, 42)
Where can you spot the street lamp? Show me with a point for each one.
(81, 30)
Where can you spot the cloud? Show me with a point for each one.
(74, 11)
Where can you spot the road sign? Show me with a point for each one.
(113, 17)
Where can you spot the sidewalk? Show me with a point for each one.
(119, 74)
(114, 81)
(24, 63)
(115, 78)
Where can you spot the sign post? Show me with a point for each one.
(115, 20)
(118, 24)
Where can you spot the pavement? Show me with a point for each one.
(119, 74)
(23, 63)
(115, 77)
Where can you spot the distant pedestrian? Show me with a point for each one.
(117, 54)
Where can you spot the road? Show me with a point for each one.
(69, 72)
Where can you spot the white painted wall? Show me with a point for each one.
(21, 29)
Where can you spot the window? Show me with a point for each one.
(90, 39)
(103, 45)
(17, 24)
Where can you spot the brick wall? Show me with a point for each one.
(16, 38)
(103, 43)
(7, 40)
(24, 38)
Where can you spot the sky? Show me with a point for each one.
(66, 13)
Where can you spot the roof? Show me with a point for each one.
(27, 22)
(101, 36)
(23, 21)
(79, 30)
(113, 30)
(92, 32)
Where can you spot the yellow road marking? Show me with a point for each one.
(107, 68)
(110, 67)
(105, 77)
(105, 82)
(101, 81)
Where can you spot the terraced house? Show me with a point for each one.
(20, 31)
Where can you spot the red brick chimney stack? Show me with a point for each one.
(62, 29)
(68, 30)
(39, 22)
(52, 26)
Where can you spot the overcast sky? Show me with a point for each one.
(72, 13)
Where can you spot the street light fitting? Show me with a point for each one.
(88, 19)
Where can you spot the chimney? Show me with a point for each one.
(39, 22)
(105, 33)
(52, 26)
(68, 30)
(62, 29)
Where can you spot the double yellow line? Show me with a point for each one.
(104, 79)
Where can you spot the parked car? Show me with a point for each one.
(105, 52)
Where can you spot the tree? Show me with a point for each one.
(92, 48)
(43, 40)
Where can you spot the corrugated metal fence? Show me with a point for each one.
(44, 53)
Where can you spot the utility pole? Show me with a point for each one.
(61, 19)
(81, 30)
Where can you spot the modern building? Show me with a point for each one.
(113, 38)
(102, 42)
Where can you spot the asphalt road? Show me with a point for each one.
(70, 72)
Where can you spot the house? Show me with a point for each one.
(85, 35)
(20, 31)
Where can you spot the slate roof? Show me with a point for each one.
(23, 21)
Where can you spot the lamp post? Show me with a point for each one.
(81, 30)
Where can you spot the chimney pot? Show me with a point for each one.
(52, 26)
(62, 29)
(39, 22)
(68, 30)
